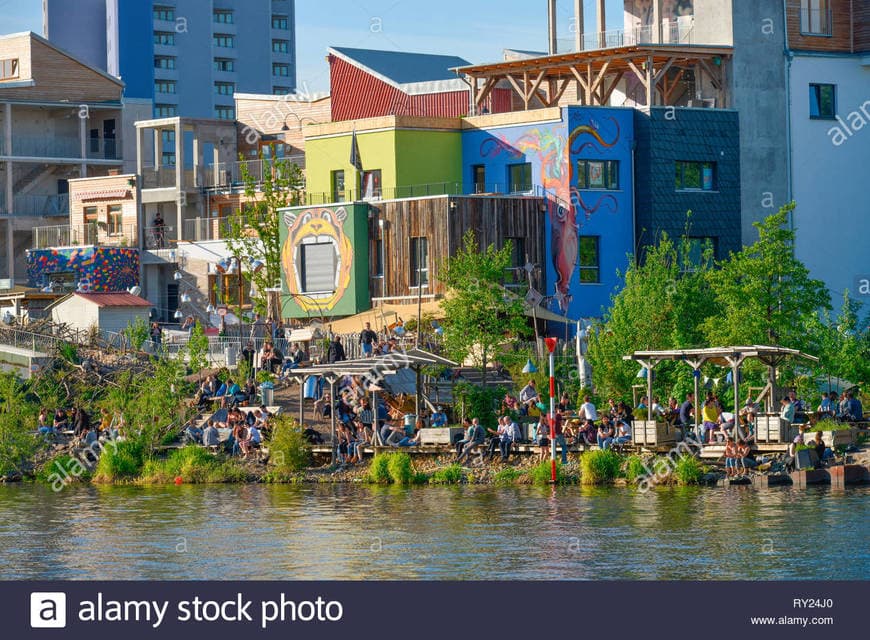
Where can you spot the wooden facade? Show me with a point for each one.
(46, 73)
(443, 220)
(846, 28)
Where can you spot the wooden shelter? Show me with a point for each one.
(732, 357)
(660, 68)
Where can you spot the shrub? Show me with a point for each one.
(120, 461)
(542, 473)
(17, 444)
(830, 425)
(400, 468)
(634, 468)
(379, 472)
(688, 470)
(448, 475)
(507, 476)
(58, 469)
(289, 451)
(598, 467)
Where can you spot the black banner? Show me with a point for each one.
(416, 610)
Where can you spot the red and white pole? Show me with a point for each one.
(551, 347)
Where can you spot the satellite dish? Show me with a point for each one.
(135, 291)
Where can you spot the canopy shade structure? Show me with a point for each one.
(732, 357)
(658, 68)
(375, 368)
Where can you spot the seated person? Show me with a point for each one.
(730, 457)
(826, 408)
(266, 356)
(207, 390)
(42, 425)
(292, 360)
(672, 412)
(686, 414)
(856, 409)
(643, 404)
(323, 405)
(412, 437)
(587, 411)
(510, 403)
(210, 435)
(529, 396)
(193, 432)
(725, 425)
(89, 437)
(240, 439)
(604, 437)
(250, 390)
(656, 410)
(439, 418)
(744, 455)
(710, 416)
(623, 433)
(474, 438)
(821, 448)
(787, 411)
(230, 392)
(61, 422)
(564, 403)
(255, 437)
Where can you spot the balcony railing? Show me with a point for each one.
(162, 237)
(679, 31)
(165, 178)
(202, 229)
(59, 146)
(228, 175)
(817, 22)
(36, 205)
(420, 191)
(90, 233)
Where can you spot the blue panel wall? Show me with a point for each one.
(553, 150)
(136, 50)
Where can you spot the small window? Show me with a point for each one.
(419, 250)
(520, 177)
(224, 41)
(823, 101)
(116, 220)
(165, 38)
(371, 184)
(9, 69)
(165, 111)
(90, 214)
(280, 46)
(164, 86)
(225, 113)
(224, 64)
(478, 178)
(589, 260)
(598, 174)
(281, 70)
(223, 16)
(695, 176)
(280, 22)
(164, 62)
(816, 18)
(337, 181)
(167, 14)
(281, 91)
(224, 88)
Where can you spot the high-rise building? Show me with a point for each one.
(189, 56)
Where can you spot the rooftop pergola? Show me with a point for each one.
(658, 67)
(374, 369)
(732, 357)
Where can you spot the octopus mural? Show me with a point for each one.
(97, 269)
(566, 206)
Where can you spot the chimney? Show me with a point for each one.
(551, 16)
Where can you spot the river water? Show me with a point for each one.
(432, 533)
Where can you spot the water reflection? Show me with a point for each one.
(361, 532)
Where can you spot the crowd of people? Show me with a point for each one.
(247, 430)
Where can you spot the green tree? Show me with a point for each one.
(137, 333)
(255, 233)
(763, 294)
(481, 315)
(842, 343)
(197, 349)
(662, 306)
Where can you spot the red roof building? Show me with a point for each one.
(366, 83)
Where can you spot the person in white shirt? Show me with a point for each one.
(588, 411)
(656, 409)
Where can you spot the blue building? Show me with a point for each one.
(581, 157)
(189, 56)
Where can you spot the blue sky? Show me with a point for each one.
(473, 29)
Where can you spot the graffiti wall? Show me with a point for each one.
(325, 261)
(99, 269)
(599, 205)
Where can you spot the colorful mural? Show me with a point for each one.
(553, 149)
(325, 247)
(98, 269)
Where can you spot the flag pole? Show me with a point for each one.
(551, 347)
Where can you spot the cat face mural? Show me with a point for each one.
(316, 240)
